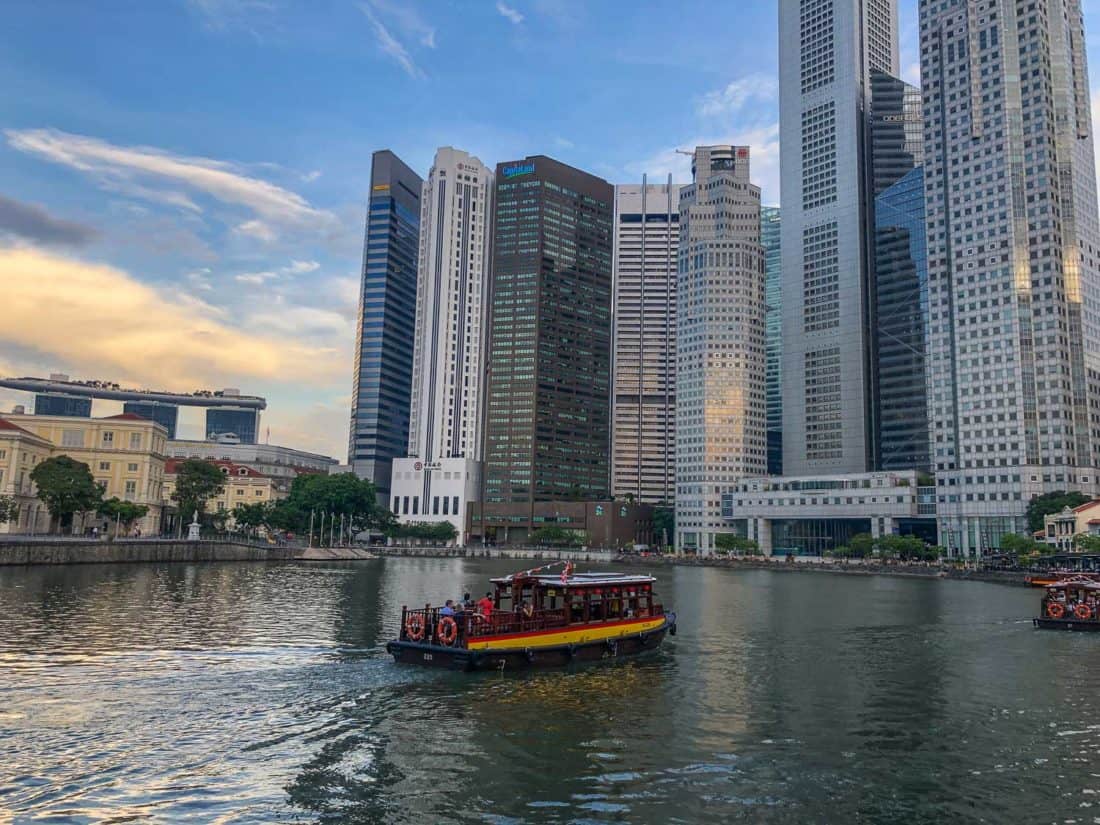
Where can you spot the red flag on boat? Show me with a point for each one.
(566, 573)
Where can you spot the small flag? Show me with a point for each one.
(566, 573)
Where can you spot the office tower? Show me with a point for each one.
(167, 415)
(827, 51)
(442, 471)
(242, 422)
(1010, 193)
(548, 407)
(721, 404)
(899, 283)
(56, 403)
(647, 237)
(382, 377)
(773, 331)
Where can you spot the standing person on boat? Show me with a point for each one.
(467, 601)
(448, 608)
(485, 605)
(527, 609)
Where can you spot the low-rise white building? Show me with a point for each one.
(435, 491)
(808, 515)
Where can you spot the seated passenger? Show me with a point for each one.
(448, 609)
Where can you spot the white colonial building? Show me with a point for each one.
(442, 471)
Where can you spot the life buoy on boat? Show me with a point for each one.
(414, 627)
(1056, 610)
(1082, 612)
(447, 631)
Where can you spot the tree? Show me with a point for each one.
(861, 545)
(250, 517)
(9, 509)
(1025, 548)
(197, 481)
(343, 494)
(731, 543)
(1050, 503)
(121, 513)
(555, 536)
(905, 548)
(1084, 542)
(664, 524)
(66, 487)
(436, 531)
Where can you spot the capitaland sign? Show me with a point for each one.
(518, 169)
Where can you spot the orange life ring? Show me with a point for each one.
(447, 631)
(1082, 612)
(1056, 610)
(414, 627)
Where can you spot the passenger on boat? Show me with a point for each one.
(467, 602)
(485, 605)
(448, 608)
(527, 609)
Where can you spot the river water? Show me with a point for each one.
(235, 693)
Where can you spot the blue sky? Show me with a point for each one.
(182, 182)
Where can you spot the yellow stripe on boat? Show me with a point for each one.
(571, 636)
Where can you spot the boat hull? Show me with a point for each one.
(1090, 626)
(527, 658)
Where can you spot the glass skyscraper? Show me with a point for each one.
(167, 415)
(55, 403)
(222, 421)
(382, 378)
(548, 410)
(773, 331)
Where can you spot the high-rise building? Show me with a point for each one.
(721, 404)
(643, 446)
(827, 52)
(167, 415)
(442, 471)
(548, 404)
(244, 423)
(773, 331)
(58, 403)
(382, 378)
(1013, 239)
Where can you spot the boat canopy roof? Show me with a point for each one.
(1074, 584)
(577, 579)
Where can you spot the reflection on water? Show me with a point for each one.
(255, 693)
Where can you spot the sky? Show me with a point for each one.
(183, 182)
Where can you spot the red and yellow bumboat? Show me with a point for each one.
(539, 620)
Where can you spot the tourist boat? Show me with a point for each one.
(1070, 604)
(539, 619)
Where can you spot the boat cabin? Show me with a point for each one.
(531, 603)
(1075, 599)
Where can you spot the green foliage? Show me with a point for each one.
(343, 494)
(122, 513)
(1050, 503)
(555, 536)
(905, 548)
(250, 517)
(1025, 548)
(9, 509)
(730, 543)
(1082, 541)
(66, 486)
(197, 481)
(861, 545)
(664, 524)
(425, 531)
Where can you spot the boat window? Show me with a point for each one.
(505, 601)
(595, 607)
(576, 607)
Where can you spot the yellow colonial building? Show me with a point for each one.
(20, 451)
(243, 485)
(125, 453)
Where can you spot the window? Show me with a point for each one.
(131, 489)
(105, 465)
(72, 438)
(133, 468)
(108, 439)
(135, 441)
(240, 491)
(259, 493)
(454, 505)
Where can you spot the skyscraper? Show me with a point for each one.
(647, 233)
(773, 331)
(442, 471)
(242, 422)
(1013, 239)
(387, 311)
(548, 404)
(827, 52)
(167, 415)
(58, 403)
(720, 342)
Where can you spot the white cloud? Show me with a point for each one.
(563, 143)
(255, 277)
(199, 279)
(288, 271)
(301, 267)
(144, 171)
(310, 177)
(507, 11)
(736, 94)
(256, 229)
(763, 159)
(391, 46)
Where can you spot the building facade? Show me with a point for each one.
(55, 403)
(382, 376)
(721, 404)
(1013, 239)
(167, 415)
(827, 51)
(441, 472)
(229, 421)
(125, 454)
(243, 485)
(643, 444)
(547, 425)
(20, 452)
(281, 464)
(770, 224)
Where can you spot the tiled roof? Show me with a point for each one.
(7, 425)
(232, 469)
(126, 417)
